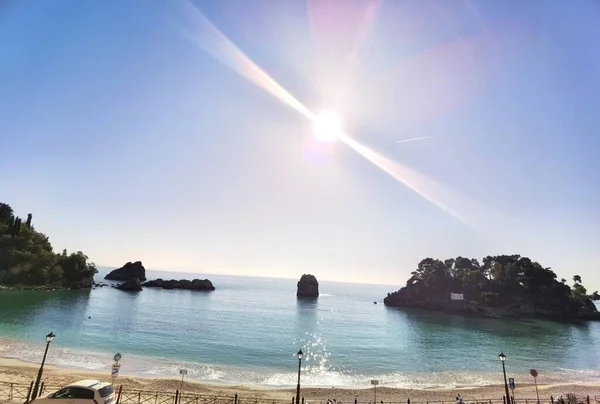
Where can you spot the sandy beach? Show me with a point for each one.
(15, 371)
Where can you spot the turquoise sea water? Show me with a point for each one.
(249, 329)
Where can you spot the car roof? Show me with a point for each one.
(96, 384)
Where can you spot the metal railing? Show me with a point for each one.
(132, 396)
(14, 391)
(20, 393)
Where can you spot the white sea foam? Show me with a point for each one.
(312, 376)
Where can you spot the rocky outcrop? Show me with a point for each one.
(308, 286)
(131, 286)
(196, 284)
(409, 297)
(83, 283)
(128, 272)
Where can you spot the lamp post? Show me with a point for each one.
(49, 339)
(299, 356)
(503, 359)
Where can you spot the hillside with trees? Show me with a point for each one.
(27, 257)
(502, 285)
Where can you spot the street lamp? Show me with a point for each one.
(299, 356)
(49, 339)
(503, 359)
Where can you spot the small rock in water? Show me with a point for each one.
(308, 286)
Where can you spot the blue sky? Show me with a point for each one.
(129, 132)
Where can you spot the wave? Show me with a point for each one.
(317, 376)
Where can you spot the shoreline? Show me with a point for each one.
(76, 360)
(17, 371)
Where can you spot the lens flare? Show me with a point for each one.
(212, 40)
(328, 125)
(413, 180)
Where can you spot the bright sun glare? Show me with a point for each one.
(327, 126)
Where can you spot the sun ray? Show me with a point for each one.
(417, 182)
(211, 39)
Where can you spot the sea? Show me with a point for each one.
(249, 329)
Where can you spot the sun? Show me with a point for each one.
(327, 126)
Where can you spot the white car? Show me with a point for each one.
(81, 392)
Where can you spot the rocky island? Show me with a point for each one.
(128, 272)
(499, 286)
(28, 261)
(195, 284)
(133, 285)
(307, 286)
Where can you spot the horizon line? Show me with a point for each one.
(189, 271)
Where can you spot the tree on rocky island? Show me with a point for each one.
(505, 283)
(27, 257)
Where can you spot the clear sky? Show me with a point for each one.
(138, 130)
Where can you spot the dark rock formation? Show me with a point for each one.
(132, 286)
(409, 297)
(83, 283)
(99, 284)
(196, 284)
(308, 286)
(128, 272)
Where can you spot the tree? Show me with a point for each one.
(27, 257)
(55, 274)
(579, 291)
(75, 267)
(503, 280)
(431, 273)
(15, 227)
(6, 213)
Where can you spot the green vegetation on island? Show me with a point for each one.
(27, 257)
(502, 285)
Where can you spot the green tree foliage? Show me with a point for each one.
(501, 280)
(15, 226)
(29, 217)
(6, 214)
(55, 275)
(27, 257)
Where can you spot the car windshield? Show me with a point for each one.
(106, 391)
(74, 392)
